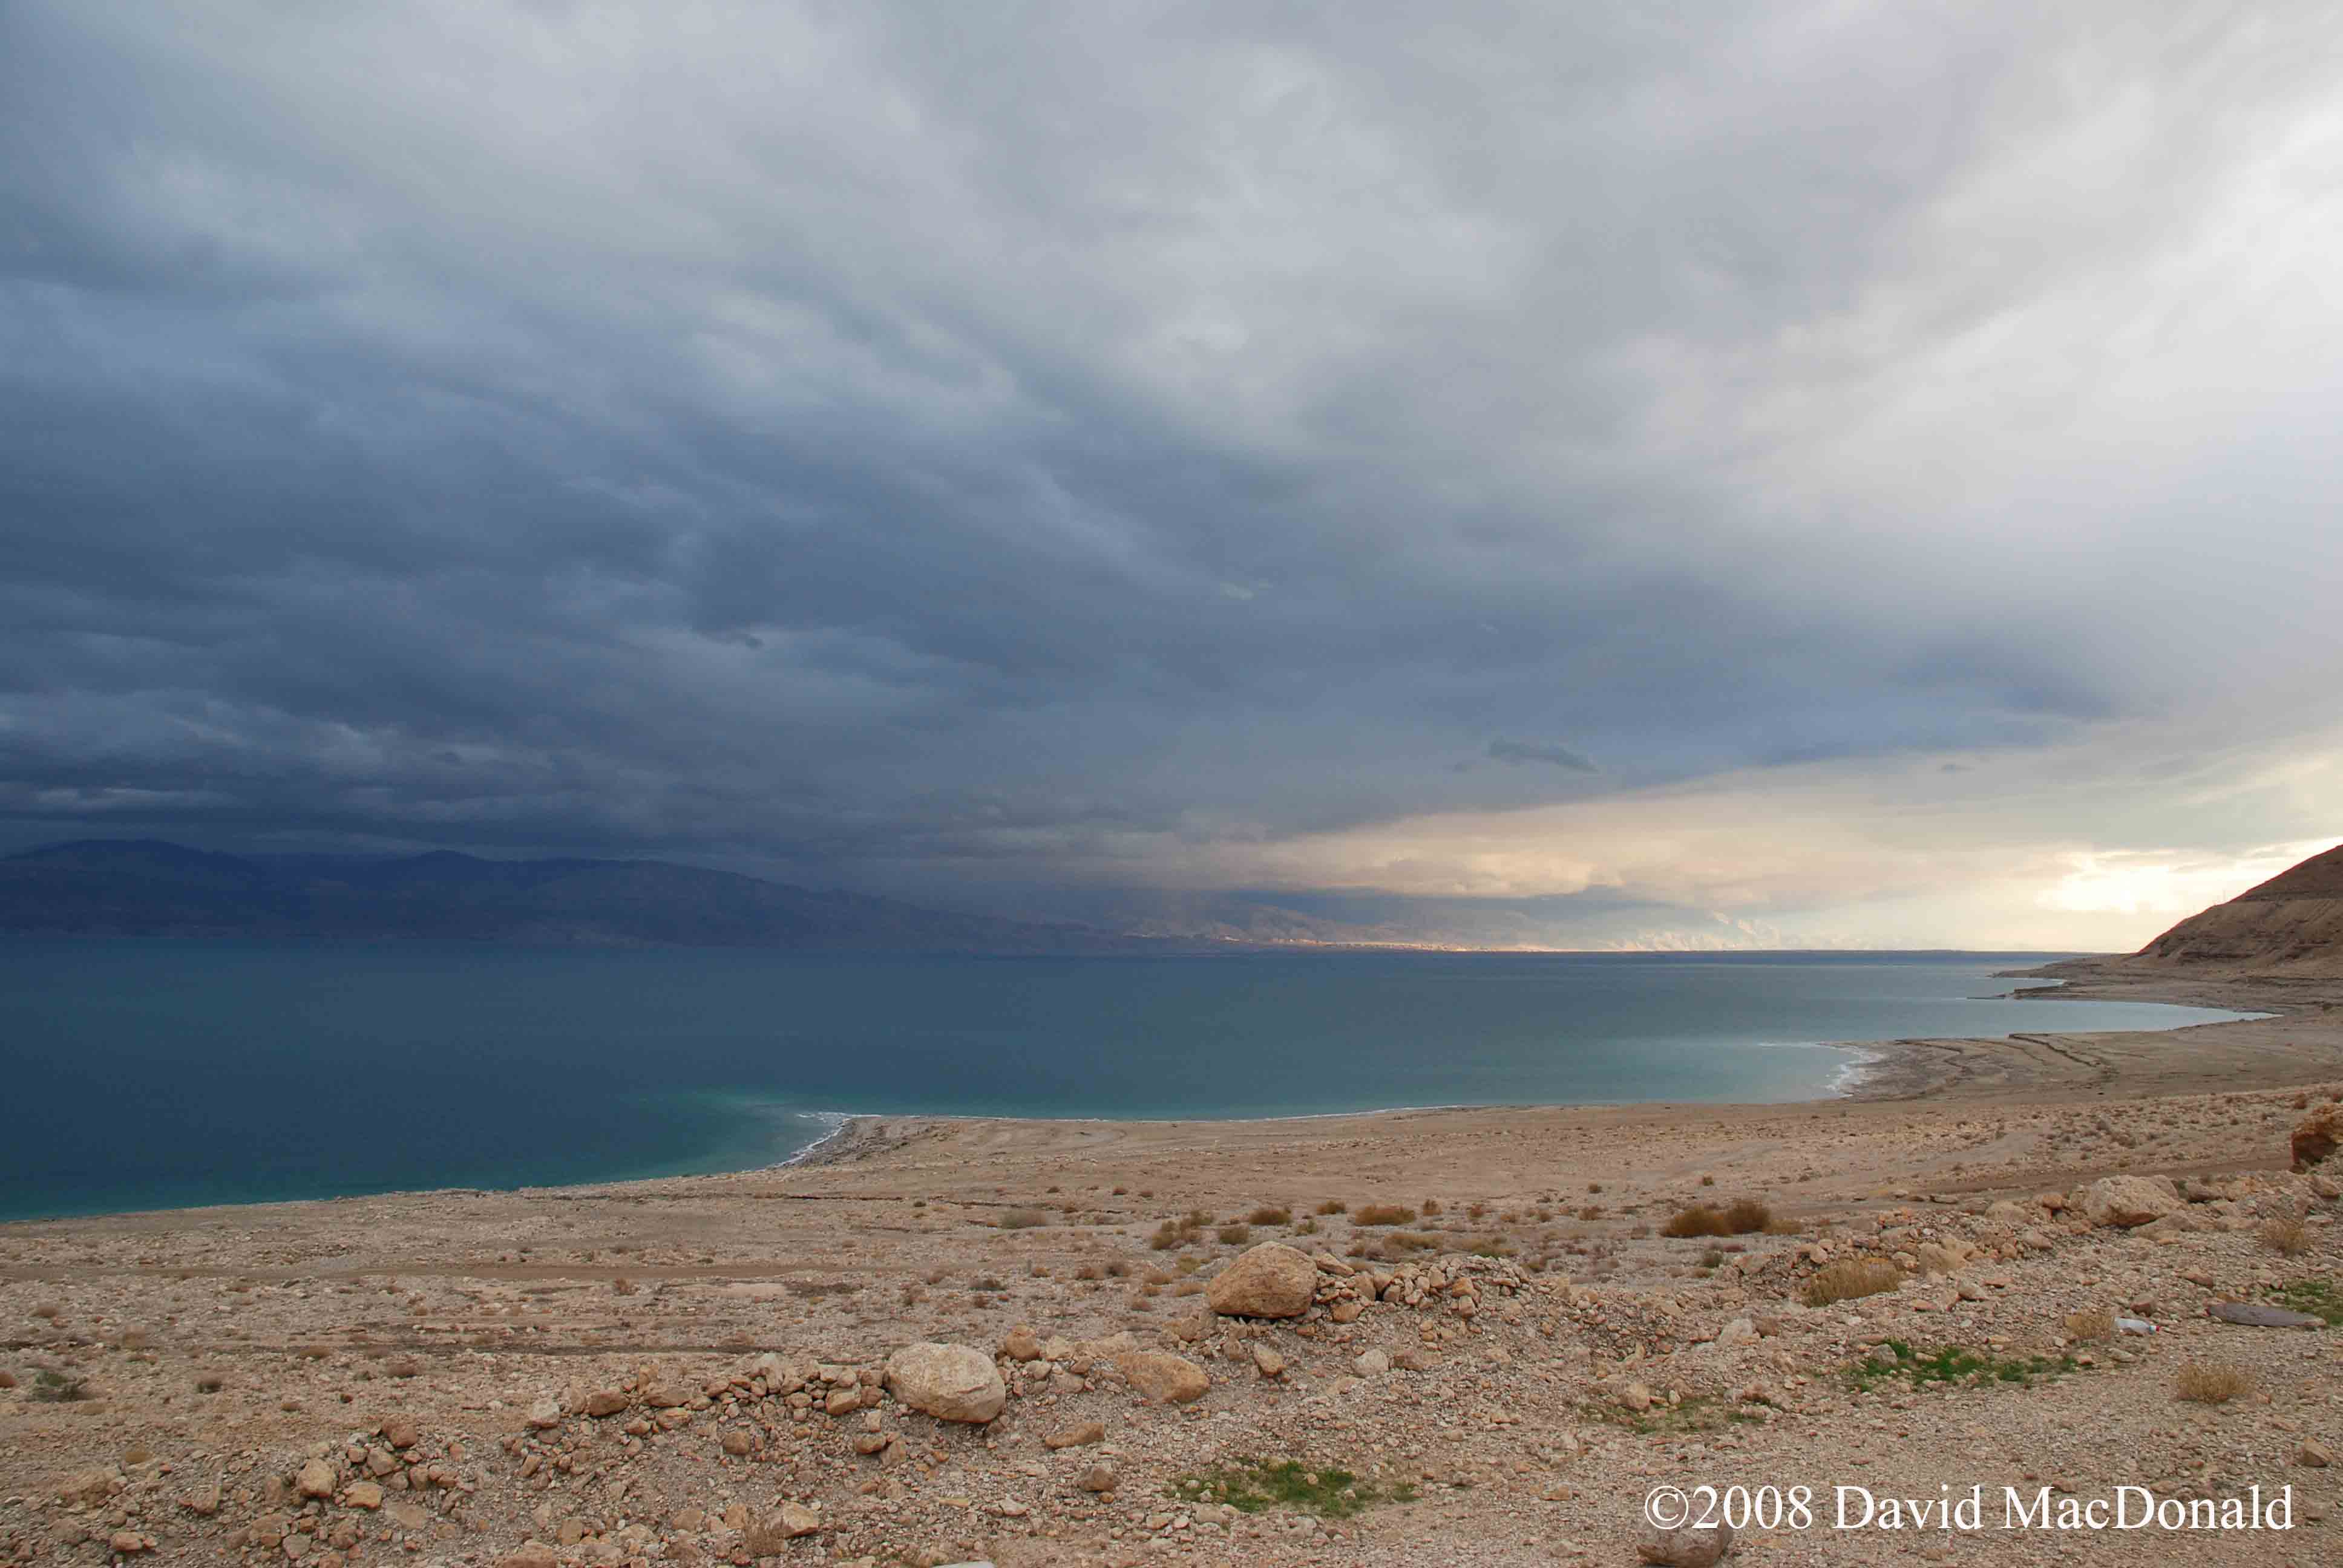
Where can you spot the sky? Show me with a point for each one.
(1632, 474)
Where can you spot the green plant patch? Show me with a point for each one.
(1254, 1486)
(1955, 1365)
(2319, 1297)
(1695, 1413)
(55, 1388)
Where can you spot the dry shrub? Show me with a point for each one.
(1431, 1207)
(1023, 1220)
(2285, 1235)
(1234, 1235)
(1748, 1216)
(1271, 1214)
(1700, 1220)
(1384, 1214)
(1400, 1241)
(1334, 1206)
(2093, 1324)
(2213, 1382)
(1851, 1280)
(1089, 1271)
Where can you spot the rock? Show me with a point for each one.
(129, 1543)
(401, 1431)
(545, 1414)
(2128, 1201)
(532, 1554)
(315, 1479)
(204, 1500)
(665, 1396)
(1022, 1344)
(87, 1486)
(737, 1444)
(1164, 1378)
(603, 1401)
(1372, 1363)
(1267, 1362)
(793, 1520)
(847, 1400)
(1690, 1546)
(1098, 1478)
(363, 1494)
(2318, 1135)
(1271, 1281)
(1635, 1397)
(1080, 1436)
(2253, 1314)
(950, 1383)
(1739, 1331)
(2315, 1453)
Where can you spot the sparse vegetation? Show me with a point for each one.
(1850, 1279)
(2319, 1297)
(2286, 1235)
(56, 1388)
(1234, 1235)
(2093, 1324)
(1384, 1214)
(1953, 1364)
(1022, 1219)
(1700, 1220)
(1334, 1206)
(1269, 1214)
(2213, 1382)
(1254, 1486)
(1742, 1217)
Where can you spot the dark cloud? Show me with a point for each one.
(946, 448)
(1519, 751)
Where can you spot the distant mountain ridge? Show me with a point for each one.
(148, 887)
(2291, 925)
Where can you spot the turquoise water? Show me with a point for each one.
(154, 1074)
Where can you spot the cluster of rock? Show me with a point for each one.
(386, 1484)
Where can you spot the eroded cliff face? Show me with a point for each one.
(2291, 925)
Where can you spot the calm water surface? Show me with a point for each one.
(152, 1074)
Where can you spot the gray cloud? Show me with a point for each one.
(932, 450)
(1519, 751)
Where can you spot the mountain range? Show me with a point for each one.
(145, 886)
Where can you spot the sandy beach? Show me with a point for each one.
(698, 1370)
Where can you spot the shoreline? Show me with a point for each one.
(1893, 1072)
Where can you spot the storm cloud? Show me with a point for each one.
(1045, 454)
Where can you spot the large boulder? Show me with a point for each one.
(2128, 1201)
(1686, 1546)
(2318, 1135)
(1164, 1378)
(1271, 1280)
(950, 1383)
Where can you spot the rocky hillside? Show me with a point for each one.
(2291, 925)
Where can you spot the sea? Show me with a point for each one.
(151, 1074)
